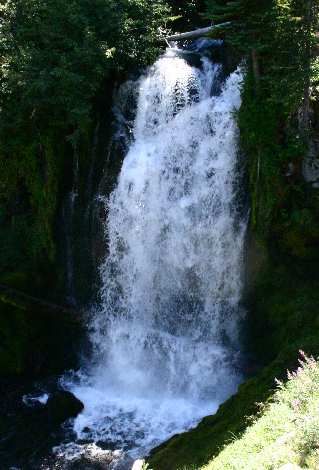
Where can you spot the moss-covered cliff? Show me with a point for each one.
(59, 63)
(56, 60)
(37, 338)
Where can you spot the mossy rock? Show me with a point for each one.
(282, 309)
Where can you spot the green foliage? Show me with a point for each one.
(55, 53)
(271, 146)
(278, 40)
(249, 21)
(287, 431)
(56, 57)
(189, 13)
(283, 309)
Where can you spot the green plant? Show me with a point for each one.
(278, 39)
(57, 58)
(286, 432)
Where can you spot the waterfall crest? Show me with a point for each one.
(166, 332)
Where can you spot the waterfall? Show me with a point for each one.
(166, 330)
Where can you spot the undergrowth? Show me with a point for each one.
(285, 432)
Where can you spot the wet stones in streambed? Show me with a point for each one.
(55, 408)
(73, 456)
(61, 406)
(33, 425)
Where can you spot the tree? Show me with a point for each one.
(278, 39)
(55, 55)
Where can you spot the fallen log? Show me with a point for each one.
(197, 33)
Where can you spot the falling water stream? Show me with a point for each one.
(165, 334)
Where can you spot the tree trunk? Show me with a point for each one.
(256, 69)
(195, 34)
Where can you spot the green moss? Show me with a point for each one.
(28, 201)
(283, 309)
(271, 142)
(33, 187)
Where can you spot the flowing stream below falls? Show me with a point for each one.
(166, 330)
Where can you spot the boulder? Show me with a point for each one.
(63, 405)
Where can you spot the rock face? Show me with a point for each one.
(310, 167)
(61, 406)
(29, 426)
(38, 339)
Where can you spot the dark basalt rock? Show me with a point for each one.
(61, 406)
(29, 428)
(37, 338)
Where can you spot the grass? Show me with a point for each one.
(285, 432)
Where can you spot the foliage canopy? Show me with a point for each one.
(56, 58)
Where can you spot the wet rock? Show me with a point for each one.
(81, 456)
(30, 421)
(63, 405)
(38, 339)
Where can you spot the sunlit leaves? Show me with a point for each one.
(54, 54)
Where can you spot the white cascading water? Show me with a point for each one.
(165, 334)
